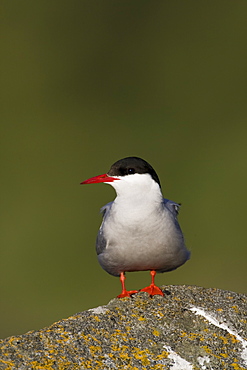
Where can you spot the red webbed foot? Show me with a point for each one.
(125, 293)
(152, 289)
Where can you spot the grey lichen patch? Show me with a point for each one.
(189, 328)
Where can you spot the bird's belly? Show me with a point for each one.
(156, 246)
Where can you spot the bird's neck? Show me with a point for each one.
(141, 201)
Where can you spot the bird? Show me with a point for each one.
(139, 230)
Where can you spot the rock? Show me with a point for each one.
(189, 328)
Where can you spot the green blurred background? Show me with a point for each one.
(85, 83)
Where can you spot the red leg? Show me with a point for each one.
(125, 293)
(152, 289)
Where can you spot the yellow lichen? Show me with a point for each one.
(224, 355)
(183, 334)
(208, 350)
(224, 339)
(141, 355)
(156, 333)
(94, 350)
(97, 318)
(10, 364)
(237, 367)
(233, 338)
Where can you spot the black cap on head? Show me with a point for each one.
(132, 165)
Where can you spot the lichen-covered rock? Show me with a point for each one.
(189, 328)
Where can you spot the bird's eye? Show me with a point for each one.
(131, 171)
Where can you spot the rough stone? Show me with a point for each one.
(189, 328)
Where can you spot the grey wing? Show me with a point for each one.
(172, 206)
(101, 241)
(174, 209)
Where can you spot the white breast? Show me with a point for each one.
(140, 232)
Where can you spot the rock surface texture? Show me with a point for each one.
(189, 328)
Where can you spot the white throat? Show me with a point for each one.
(136, 194)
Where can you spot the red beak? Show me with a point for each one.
(100, 178)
